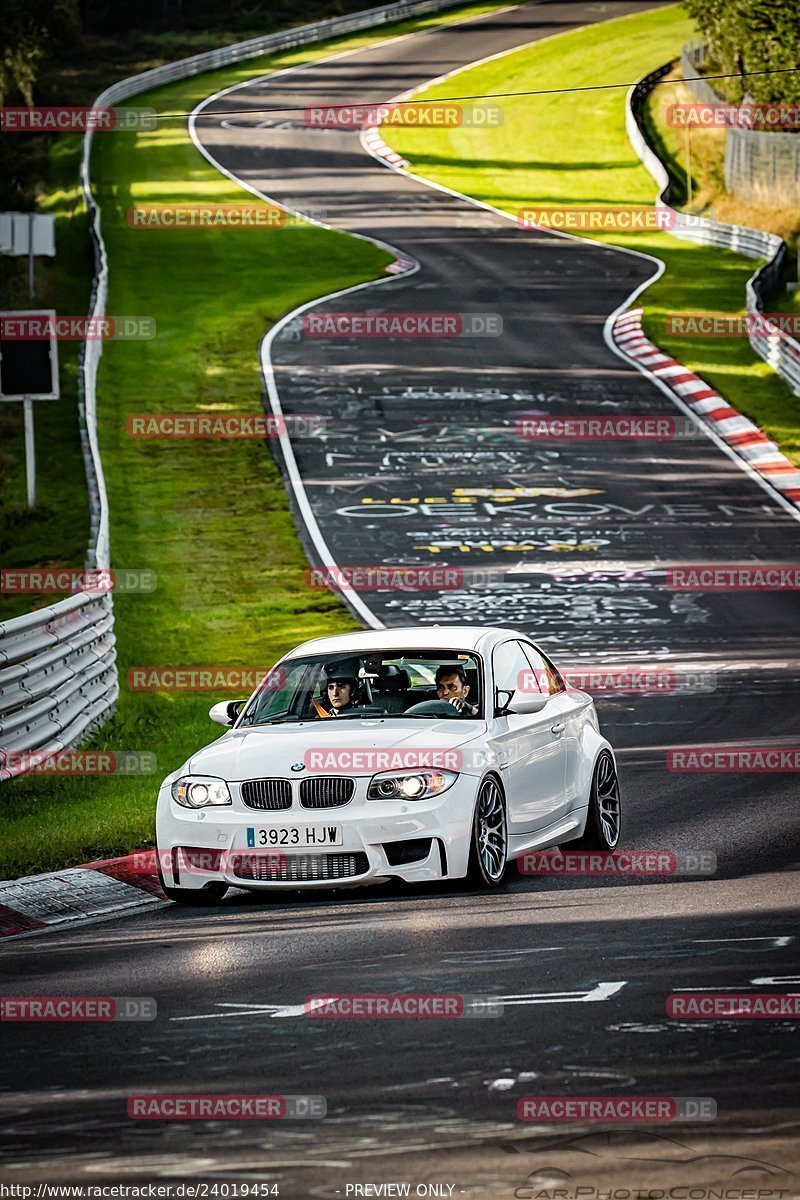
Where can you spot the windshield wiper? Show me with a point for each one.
(273, 721)
(364, 713)
(437, 717)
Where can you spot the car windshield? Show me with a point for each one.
(424, 684)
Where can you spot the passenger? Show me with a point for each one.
(341, 688)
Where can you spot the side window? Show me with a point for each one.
(275, 693)
(547, 675)
(511, 668)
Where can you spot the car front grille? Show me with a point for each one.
(326, 792)
(272, 794)
(300, 868)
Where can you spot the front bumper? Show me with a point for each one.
(196, 847)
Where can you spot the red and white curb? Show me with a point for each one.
(372, 139)
(743, 437)
(96, 891)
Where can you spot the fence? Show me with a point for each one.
(58, 676)
(693, 58)
(777, 349)
(761, 166)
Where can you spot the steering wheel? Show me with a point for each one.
(432, 708)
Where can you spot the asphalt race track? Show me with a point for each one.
(584, 966)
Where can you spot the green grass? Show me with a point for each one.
(572, 149)
(209, 517)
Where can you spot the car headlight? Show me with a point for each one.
(200, 791)
(412, 785)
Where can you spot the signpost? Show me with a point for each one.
(28, 368)
(28, 372)
(28, 234)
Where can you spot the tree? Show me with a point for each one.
(31, 32)
(752, 35)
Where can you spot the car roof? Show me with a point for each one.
(409, 637)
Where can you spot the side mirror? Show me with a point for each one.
(524, 705)
(226, 711)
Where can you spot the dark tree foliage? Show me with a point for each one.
(752, 35)
(30, 33)
(261, 16)
(67, 51)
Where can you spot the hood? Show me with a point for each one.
(272, 750)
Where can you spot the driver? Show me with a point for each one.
(341, 687)
(452, 686)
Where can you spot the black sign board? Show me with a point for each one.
(28, 365)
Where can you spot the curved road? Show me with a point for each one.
(584, 966)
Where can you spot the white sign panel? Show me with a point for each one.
(23, 233)
(43, 234)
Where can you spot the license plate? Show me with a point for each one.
(302, 836)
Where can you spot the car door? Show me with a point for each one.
(531, 753)
(567, 716)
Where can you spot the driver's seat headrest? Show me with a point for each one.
(393, 679)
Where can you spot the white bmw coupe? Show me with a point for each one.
(420, 753)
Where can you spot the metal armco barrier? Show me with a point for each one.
(778, 349)
(58, 676)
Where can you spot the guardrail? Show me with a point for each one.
(58, 673)
(58, 676)
(773, 345)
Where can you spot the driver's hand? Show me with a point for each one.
(459, 704)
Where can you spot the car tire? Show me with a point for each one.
(488, 853)
(604, 818)
(205, 897)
